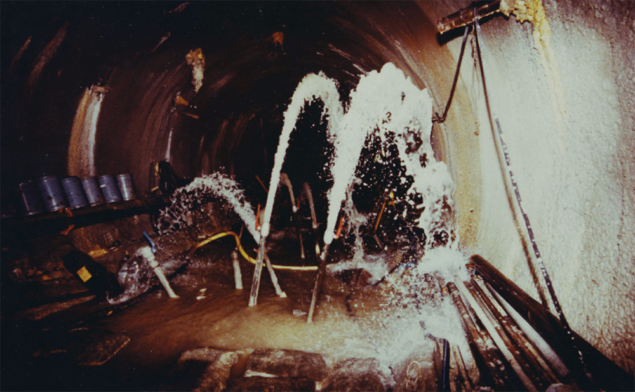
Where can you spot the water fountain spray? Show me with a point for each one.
(388, 105)
(385, 105)
(310, 88)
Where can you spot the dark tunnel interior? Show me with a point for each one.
(239, 115)
(197, 93)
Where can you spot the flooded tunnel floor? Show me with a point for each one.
(211, 313)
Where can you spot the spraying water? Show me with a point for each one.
(385, 107)
(388, 105)
(202, 190)
(311, 87)
(413, 305)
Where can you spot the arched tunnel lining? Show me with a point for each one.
(247, 80)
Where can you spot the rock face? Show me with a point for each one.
(93, 348)
(87, 347)
(286, 363)
(271, 384)
(202, 369)
(419, 371)
(269, 370)
(355, 374)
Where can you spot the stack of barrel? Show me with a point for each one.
(50, 194)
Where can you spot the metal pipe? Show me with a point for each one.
(146, 252)
(262, 184)
(530, 353)
(537, 341)
(390, 196)
(339, 229)
(286, 181)
(487, 364)
(502, 147)
(445, 372)
(255, 284)
(274, 279)
(309, 196)
(464, 376)
(381, 212)
(505, 345)
(318, 282)
(296, 218)
(474, 11)
(314, 224)
(608, 375)
(238, 278)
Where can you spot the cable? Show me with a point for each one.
(147, 237)
(441, 119)
(247, 257)
(530, 232)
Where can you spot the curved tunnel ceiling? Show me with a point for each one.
(248, 82)
(53, 53)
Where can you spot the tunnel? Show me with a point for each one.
(538, 143)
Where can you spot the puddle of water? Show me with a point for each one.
(161, 328)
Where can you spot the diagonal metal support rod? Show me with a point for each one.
(319, 279)
(296, 218)
(309, 196)
(255, 284)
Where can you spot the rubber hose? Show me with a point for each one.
(247, 257)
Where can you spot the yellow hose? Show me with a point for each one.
(247, 257)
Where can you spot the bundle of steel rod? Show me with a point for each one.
(505, 357)
(494, 289)
(492, 368)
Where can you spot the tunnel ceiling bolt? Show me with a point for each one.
(481, 9)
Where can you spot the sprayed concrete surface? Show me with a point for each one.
(569, 126)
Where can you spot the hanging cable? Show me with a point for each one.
(530, 232)
(441, 119)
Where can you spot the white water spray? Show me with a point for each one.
(388, 104)
(385, 105)
(311, 88)
(218, 185)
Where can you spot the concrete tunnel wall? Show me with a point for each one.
(562, 85)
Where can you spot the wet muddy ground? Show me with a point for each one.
(209, 313)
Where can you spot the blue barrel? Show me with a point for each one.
(109, 188)
(126, 187)
(30, 199)
(52, 193)
(74, 193)
(93, 194)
